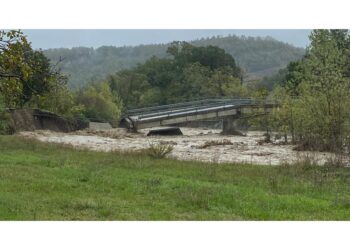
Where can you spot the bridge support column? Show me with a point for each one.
(128, 124)
(228, 127)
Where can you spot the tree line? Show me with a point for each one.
(314, 94)
(256, 56)
(189, 73)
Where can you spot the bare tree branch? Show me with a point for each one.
(8, 75)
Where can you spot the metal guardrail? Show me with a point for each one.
(194, 111)
(198, 107)
(188, 106)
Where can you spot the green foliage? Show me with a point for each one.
(159, 151)
(284, 118)
(41, 79)
(100, 103)
(259, 118)
(27, 78)
(191, 73)
(209, 56)
(59, 100)
(269, 82)
(257, 56)
(14, 69)
(24, 73)
(319, 117)
(4, 117)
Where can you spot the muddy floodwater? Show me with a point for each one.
(195, 144)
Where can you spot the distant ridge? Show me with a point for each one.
(258, 56)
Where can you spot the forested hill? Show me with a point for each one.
(257, 56)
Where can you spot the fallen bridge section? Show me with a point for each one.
(191, 111)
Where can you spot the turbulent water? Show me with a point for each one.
(189, 146)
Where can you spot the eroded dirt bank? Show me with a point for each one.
(189, 146)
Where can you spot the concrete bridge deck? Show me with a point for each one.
(172, 114)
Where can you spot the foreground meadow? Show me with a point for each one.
(41, 181)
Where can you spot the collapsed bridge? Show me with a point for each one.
(228, 109)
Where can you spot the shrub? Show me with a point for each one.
(100, 103)
(159, 151)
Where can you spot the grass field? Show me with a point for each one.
(50, 182)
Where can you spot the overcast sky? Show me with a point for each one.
(95, 38)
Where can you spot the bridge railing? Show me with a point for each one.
(189, 105)
(168, 106)
(182, 110)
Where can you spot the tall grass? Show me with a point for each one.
(53, 182)
(159, 151)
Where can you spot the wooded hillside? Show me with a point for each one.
(256, 56)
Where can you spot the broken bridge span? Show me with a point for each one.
(228, 109)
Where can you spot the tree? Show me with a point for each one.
(224, 83)
(99, 103)
(12, 65)
(209, 56)
(12, 49)
(321, 113)
(294, 76)
(24, 73)
(192, 72)
(131, 86)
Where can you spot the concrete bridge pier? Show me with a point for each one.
(228, 126)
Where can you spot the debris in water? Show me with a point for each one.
(165, 131)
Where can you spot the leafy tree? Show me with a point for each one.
(13, 66)
(269, 82)
(210, 56)
(24, 73)
(285, 117)
(99, 103)
(224, 83)
(59, 100)
(192, 72)
(192, 85)
(295, 75)
(321, 113)
(131, 86)
(13, 46)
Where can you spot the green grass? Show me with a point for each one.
(50, 182)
